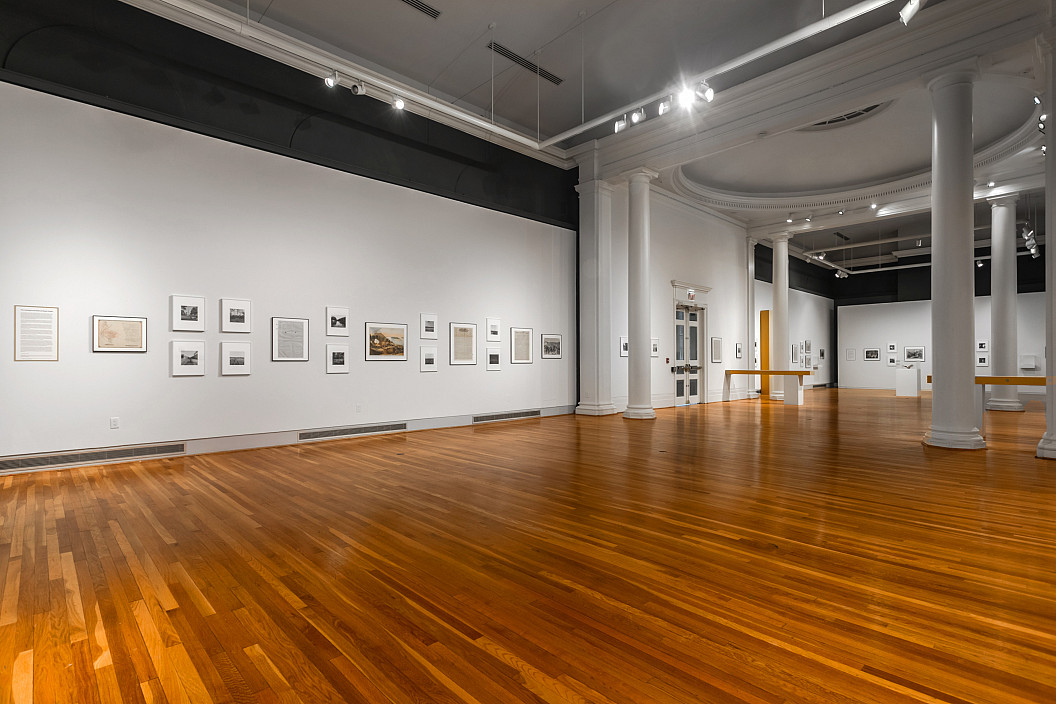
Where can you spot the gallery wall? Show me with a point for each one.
(106, 214)
(809, 318)
(909, 324)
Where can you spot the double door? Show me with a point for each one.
(687, 369)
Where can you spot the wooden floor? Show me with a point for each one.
(736, 552)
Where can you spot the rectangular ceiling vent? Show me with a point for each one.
(22, 464)
(525, 63)
(505, 416)
(423, 8)
(345, 432)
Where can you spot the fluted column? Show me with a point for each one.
(595, 299)
(1004, 351)
(1047, 446)
(749, 351)
(779, 350)
(639, 373)
(953, 416)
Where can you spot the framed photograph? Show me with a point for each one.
(463, 343)
(427, 359)
(235, 358)
(871, 354)
(336, 359)
(625, 347)
(982, 359)
(111, 333)
(738, 351)
(188, 313)
(36, 334)
(289, 339)
(892, 347)
(807, 361)
(914, 354)
(493, 330)
(551, 346)
(386, 342)
(821, 353)
(188, 358)
(520, 345)
(235, 315)
(336, 321)
(491, 356)
(892, 360)
(654, 347)
(795, 353)
(982, 345)
(806, 347)
(850, 354)
(716, 349)
(428, 327)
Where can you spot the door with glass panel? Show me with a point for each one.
(686, 367)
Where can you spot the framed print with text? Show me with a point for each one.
(235, 315)
(188, 313)
(850, 354)
(289, 339)
(337, 359)
(36, 334)
(188, 358)
(463, 343)
(520, 345)
(427, 329)
(111, 333)
(551, 346)
(716, 349)
(386, 342)
(493, 330)
(427, 358)
(336, 321)
(235, 358)
(491, 357)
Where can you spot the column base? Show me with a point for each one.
(955, 439)
(640, 413)
(595, 409)
(1047, 447)
(1003, 404)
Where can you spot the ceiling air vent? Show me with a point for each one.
(423, 8)
(524, 63)
(847, 118)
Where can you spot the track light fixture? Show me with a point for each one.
(789, 218)
(873, 206)
(332, 79)
(398, 102)
(841, 274)
(806, 219)
(664, 107)
(358, 88)
(978, 263)
(1043, 149)
(820, 256)
(1037, 100)
(705, 92)
(686, 98)
(990, 184)
(840, 211)
(637, 116)
(910, 10)
(620, 125)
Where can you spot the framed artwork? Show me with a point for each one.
(289, 339)
(36, 334)
(493, 330)
(427, 359)
(795, 353)
(821, 353)
(654, 347)
(807, 361)
(491, 356)
(738, 351)
(806, 347)
(551, 346)
(871, 354)
(982, 359)
(336, 359)
(427, 326)
(982, 345)
(625, 347)
(463, 343)
(235, 358)
(892, 347)
(850, 354)
(111, 333)
(386, 342)
(188, 313)
(914, 354)
(188, 358)
(235, 315)
(892, 360)
(520, 345)
(336, 322)
(716, 349)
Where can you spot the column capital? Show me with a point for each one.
(999, 201)
(751, 242)
(780, 237)
(641, 174)
(588, 187)
(966, 71)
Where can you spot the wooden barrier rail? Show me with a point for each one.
(795, 399)
(983, 381)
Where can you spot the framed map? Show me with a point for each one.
(386, 342)
(111, 333)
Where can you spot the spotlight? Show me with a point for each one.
(358, 88)
(705, 92)
(1041, 127)
(789, 218)
(1037, 100)
(873, 206)
(1044, 116)
(820, 256)
(978, 263)
(920, 243)
(1034, 254)
(841, 274)
(397, 102)
(620, 125)
(911, 8)
(331, 79)
(664, 107)
(806, 219)
(637, 116)
(1043, 149)
(990, 184)
(686, 97)
(840, 211)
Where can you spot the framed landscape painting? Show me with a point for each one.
(336, 321)
(385, 342)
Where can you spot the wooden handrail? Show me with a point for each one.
(1009, 380)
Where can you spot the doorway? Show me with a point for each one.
(689, 322)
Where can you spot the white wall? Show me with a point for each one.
(696, 247)
(809, 318)
(909, 323)
(102, 213)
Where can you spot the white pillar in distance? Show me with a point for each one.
(749, 348)
(1047, 446)
(595, 299)
(639, 371)
(780, 356)
(1004, 349)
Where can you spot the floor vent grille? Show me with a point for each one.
(344, 432)
(17, 464)
(423, 8)
(506, 416)
(524, 63)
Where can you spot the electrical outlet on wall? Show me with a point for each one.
(115, 422)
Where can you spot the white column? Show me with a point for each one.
(953, 418)
(595, 299)
(749, 348)
(780, 357)
(1004, 350)
(1047, 446)
(639, 372)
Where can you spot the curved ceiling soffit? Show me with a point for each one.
(1024, 137)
